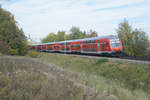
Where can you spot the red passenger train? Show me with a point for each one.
(96, 45)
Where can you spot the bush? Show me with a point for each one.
(23, 50)
(13, 51)
(147, 53)
(33, 54)
(133, 76)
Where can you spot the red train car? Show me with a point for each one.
(97, 45)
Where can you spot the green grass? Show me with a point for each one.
(117, 78)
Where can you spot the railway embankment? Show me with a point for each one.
(131, 76)
(127, 60)
(55, 77)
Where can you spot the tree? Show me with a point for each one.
(76, 33)
(140, 42)
(92, 34)
(61, 35)
(125, 34)
(52, 37)
(134, 41)
(10, 33)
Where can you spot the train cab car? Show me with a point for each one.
(116, 45)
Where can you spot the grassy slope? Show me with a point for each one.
(118, 78)
(54, 77)
(24, 78)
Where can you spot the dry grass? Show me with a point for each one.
(54, 77)
(27, 79)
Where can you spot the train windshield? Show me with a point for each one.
(115, 43)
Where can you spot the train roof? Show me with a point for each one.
(93, 38)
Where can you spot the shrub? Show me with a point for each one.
(13, 51)
(132, 76)
(23, 49)
(33, 54)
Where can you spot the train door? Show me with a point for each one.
(98, 46)
(107, 48)
(78, 46)
(102, 46)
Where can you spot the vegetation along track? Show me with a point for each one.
(132, 60)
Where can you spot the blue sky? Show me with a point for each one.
(40, 17)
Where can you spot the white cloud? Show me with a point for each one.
(39, 17)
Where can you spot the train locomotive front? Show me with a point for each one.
(116, 46)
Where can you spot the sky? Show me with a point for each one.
(40, 17)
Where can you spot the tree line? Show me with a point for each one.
(75, 33)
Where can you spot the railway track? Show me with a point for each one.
(127, 60)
